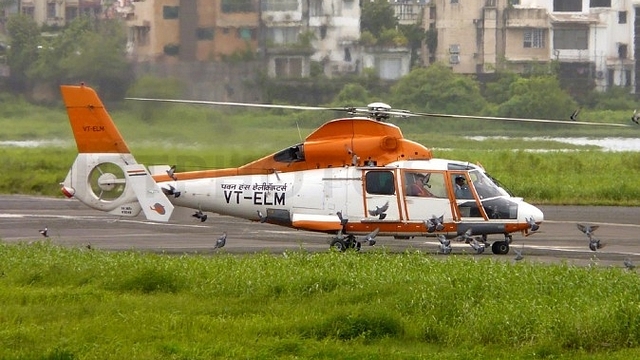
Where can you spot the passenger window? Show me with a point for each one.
(380, 183)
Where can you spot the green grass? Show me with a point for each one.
(65, 303)
(196, 137)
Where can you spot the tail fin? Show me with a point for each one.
(91, 124)
(105, 176)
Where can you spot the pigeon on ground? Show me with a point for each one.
(594, 244)
(45, 232)
(380, 211)
(628, 264)
(635, 117)
(222, 240)
(445, 244)
(476, 246)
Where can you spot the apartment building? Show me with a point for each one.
(59, 12)
(590, 39)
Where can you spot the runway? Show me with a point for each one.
(71, 223)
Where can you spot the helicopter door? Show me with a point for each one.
(468, 206)
(381, 195)
(426, 195)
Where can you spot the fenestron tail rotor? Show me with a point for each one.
(107, 181)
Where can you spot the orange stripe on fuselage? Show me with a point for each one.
(92, 126)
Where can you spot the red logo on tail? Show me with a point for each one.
(159, 208)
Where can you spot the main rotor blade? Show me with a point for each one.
(547, 121)
(268, 106)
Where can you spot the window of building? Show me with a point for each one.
(247, 34)
(622, 51)
(171, 49)
(204, 33)
(51, 10)
(454, 1)
(315, 8)
(70, 13)
(576, 38)
(622, 17)
(567, 5)
(28, 11)
(600, 3)
(170, 12)
(237, 6)
(380, 183)
(515, 2)
(280, 5)
(534, 38)
(290, 67)
(140, 35)
(283, 35)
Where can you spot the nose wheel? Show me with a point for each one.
(500, 247)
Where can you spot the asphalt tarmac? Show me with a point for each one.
(71, 223)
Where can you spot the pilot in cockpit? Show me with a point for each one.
(461, 188)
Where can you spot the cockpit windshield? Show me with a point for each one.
(485, 185)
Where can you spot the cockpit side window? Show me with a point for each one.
(380, 183)
(290, 154)
(485, 187)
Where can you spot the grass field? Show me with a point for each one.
(61, 303)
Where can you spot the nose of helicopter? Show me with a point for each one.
(528, 211)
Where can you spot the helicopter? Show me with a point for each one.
(354, 178)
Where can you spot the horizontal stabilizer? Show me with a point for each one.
(154, 203)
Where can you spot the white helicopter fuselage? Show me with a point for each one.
(311, 199)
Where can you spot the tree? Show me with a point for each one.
(376, 16)
(539, 97)
(352, 95)
(437, 89)
(86, 51)
(100, 59)
(415, 35)
(24, 47)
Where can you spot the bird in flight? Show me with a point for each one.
(574, 115)
(380, 211)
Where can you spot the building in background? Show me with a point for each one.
(591, 39)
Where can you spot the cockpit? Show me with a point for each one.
(493, 198)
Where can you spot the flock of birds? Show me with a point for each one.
(478, 245)
(433, 224)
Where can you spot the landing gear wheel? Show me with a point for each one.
(500, 247)
(338, 245)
